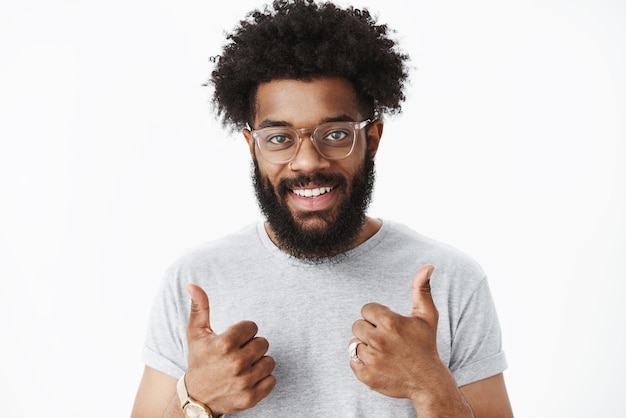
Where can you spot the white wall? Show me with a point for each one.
(512, 147)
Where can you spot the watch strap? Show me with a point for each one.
(181, 389)
(183, 396)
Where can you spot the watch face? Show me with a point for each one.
(193, 410)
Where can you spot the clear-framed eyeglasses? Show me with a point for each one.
(333, 140)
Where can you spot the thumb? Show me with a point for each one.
(423, 305)
(200, 315)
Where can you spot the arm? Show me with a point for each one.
(227, 372)
(156, 396)
(488, 398)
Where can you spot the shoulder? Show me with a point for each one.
(227, 249)
(401, 238)
(453, 266)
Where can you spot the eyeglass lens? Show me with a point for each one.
(333, 140)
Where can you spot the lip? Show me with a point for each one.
(313, 199)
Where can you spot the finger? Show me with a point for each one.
(263, 368)
(356, 348)
(238, 335)
(265, 386)
(255, 349)
(200, 315)
(422, 300)
(362, 329)
(259, 376)
(372, 312)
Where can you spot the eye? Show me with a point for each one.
(336, 136)
(335, 133)
(278, 139)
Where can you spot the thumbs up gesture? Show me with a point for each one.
(397, 355)
(228, 372)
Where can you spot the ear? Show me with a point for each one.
(249, 140)
(374, 133)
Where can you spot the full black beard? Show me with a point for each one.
(340, 232)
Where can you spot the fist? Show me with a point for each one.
(228, 372)
(396, 354)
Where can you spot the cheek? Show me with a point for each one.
(269, 173)
(354, 164)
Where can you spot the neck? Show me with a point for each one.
(368, 229)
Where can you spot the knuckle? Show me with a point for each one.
(194, 333)
(238, 364)
(224, 343)
(378, 341)
(268, 364)
(368, 307)
(244, 383)
(264, 345)
(249, 326)
(390, 322)
(428, 315)
(247, 399)
(270, 383)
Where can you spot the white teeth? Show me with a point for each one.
(312, 192)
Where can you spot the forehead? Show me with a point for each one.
(304, 103)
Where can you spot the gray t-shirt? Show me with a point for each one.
(306, 313)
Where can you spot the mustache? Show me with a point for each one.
(318, 178)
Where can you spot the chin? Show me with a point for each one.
(314, 222)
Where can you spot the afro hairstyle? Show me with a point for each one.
(305, 40)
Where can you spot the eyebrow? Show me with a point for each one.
(269, 123)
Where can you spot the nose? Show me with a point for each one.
(308, 159)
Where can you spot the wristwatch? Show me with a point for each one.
(191, 407)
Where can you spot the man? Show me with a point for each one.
(307, 85)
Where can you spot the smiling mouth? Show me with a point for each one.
(314, 192)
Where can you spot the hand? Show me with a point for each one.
(398, 353)
(228, 372)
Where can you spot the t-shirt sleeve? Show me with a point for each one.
(165, 347)
(477, 342)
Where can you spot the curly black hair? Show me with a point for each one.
(303, 40)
